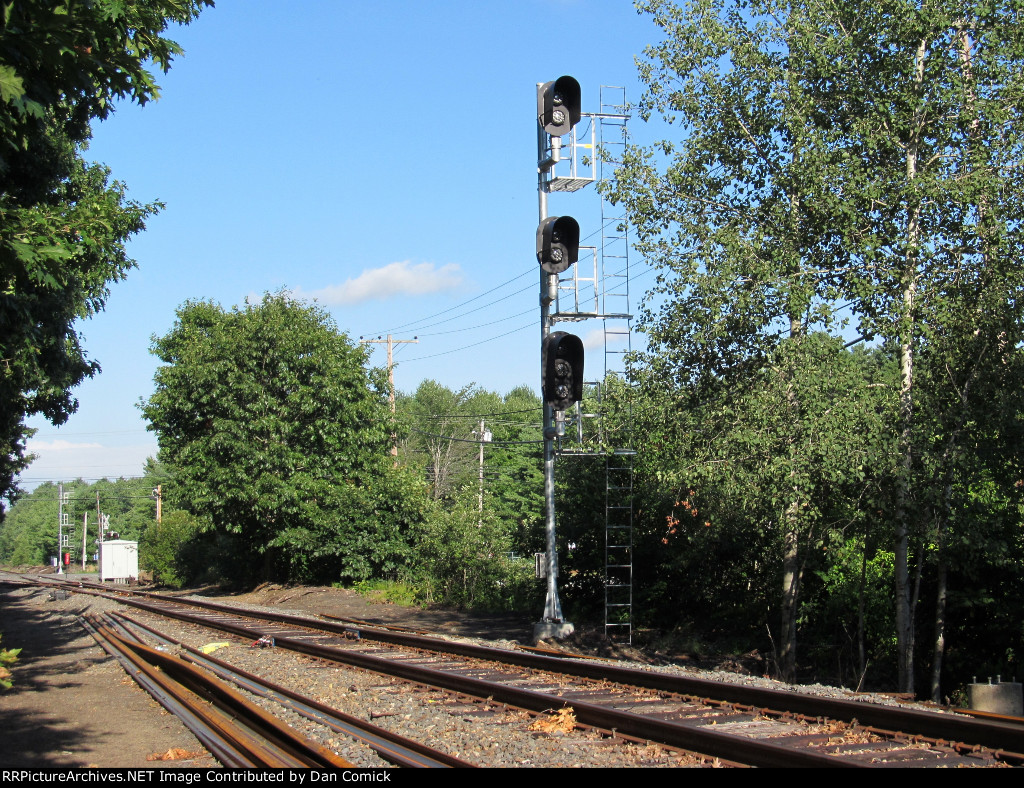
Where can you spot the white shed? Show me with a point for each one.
(119, 560)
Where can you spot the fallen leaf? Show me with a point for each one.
(562, 720)
(174, 754)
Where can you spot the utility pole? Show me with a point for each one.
(391, 373)
(484, 436)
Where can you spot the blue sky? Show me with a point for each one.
(379, 157)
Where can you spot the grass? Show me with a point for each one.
(7, 657)
(391, 592)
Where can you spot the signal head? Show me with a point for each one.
(562, 367)
(558, 105)
(558, 243)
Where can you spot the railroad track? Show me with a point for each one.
(733, 723)
(395, 749)
(236, 732)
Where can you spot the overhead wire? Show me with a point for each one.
(480, 325)
(530, 270)
(472, 311)
(457, 306)
(477, 441)
(495, 417)
(474, 344)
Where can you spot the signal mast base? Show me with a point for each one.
(552, 630)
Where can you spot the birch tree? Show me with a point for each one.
(928, 98)
(730, 210)
(859, 153)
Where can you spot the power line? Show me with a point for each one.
(457, 306)
(495, 415)
(527, 272)
(480, 325)
(477, 309)
(477, 441)
(466, 347)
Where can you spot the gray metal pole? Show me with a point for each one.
(552, 624)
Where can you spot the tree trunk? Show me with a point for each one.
(904, 608)
(790, 597)
(940, 628)
(791, 570)
(861, 656)
(904, 614)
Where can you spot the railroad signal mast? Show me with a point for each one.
(581, 283)
(63, 528)
(558, 239)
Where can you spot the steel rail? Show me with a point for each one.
(944, 727)
(264, 740)
(393, 747)
(207, 736)
(220, 729)
(680, 735)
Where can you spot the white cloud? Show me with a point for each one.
(58, 445)
(594, 340)
(62, 460)
(402, 278)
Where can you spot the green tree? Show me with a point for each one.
(276, 432)
(63, 223)
(469, 559)
(927, 98)
(480, 454)
(513, 468)
(445, 439)
(164, 547)
(731, 213)
(28, 534)
(865, 154)
(442, 425)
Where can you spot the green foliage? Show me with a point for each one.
(28, 535)
(851, 589)
(468, 559)
(278, 434)
(442, 442)
(164, 547)
(65, 64)
(7, 657)
(441, 434)
(826, 157)
(482, 513)
(393, 592)
(514, 478)
(63, 223)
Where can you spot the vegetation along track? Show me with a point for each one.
(737, 723)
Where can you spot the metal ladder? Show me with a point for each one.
(618, 552)
(597, 287)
